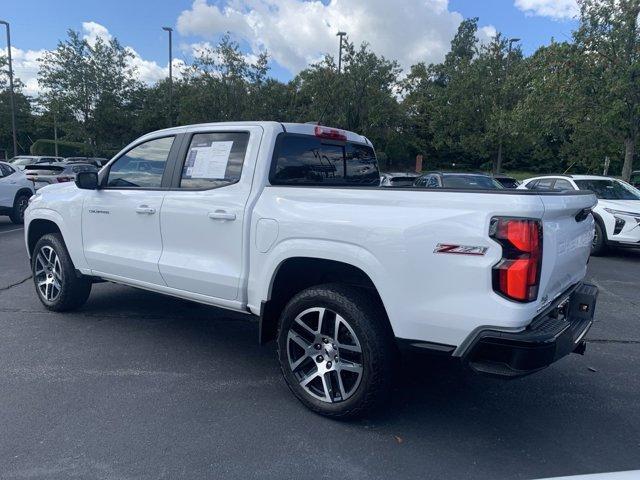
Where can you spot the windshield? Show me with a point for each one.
(610, 189)
(470, 181)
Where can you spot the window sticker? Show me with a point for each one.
(208, 161)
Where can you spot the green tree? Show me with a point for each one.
(609, 39)
(92, 82)
(23, 113)
(361, 98)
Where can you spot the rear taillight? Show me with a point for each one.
(517, 275)
(64, 179)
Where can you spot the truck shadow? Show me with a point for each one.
(436, 404)
(631, 254)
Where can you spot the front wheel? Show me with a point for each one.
(336, 350)
(599, 244)
(57, 284)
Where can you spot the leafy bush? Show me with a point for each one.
(65, 149)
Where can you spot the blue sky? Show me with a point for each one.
(295, 32)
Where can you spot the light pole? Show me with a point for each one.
(11, 99)
(340, 34)
(498, 165)
(170, 30)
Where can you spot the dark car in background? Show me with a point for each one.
(398, 179)
(45, 174)
(463, 181)
(506, 181)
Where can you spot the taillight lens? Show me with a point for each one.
(64, 179)
(517, 275)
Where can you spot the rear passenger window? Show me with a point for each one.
(307, 160)
(544, 184)
(214, 159)
(5, 170)
(562, 185)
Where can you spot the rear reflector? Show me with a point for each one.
(330, 133)
(517, 275)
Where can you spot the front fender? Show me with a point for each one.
(70, 230)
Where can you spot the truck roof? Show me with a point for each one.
(299, 128)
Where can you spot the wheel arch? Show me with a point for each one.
(37, 228)
(22, 191)
(598, 219)
(296, 273)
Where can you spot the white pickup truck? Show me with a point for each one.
(288, 223)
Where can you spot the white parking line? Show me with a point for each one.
(9, 231)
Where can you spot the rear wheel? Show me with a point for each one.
(599, 244)
(57, 284)
(336, 350)
(19, 206)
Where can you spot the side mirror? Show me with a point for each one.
(87, 180)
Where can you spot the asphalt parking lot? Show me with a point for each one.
(140, 386)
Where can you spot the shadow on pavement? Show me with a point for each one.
(553, 422)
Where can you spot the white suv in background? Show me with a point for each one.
(617, 213)
(15, 191)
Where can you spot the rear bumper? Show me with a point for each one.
(548, 338)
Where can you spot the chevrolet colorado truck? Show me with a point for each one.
(288, 223)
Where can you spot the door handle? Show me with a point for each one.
(222, 215)
(145, 209)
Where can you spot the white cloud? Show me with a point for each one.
(486, 34)
(556, 9)
(298, 32)
(93, 31)
(25, 67)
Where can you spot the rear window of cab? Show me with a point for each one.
(309, 160)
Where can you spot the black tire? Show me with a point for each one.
(599, 244)
(365, 317)
(20, 204)
(73, 290)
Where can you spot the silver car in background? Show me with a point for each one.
(21, 161)
(99, 162)
(45, 174)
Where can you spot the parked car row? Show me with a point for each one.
(21, 176)
(15, 191)
(47, 173)
(457, 180)
(22, 161)
(617, 213)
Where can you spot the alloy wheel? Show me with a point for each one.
(325, 355)
(48, 273)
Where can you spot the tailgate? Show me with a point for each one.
(566, 242)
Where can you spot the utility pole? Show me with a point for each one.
(340, 34)
(170, 30)
(55, 132)
(11, 93)
(498, 165)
